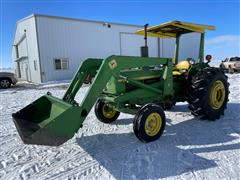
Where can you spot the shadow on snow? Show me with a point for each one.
(175, 153)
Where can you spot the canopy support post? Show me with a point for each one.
(201, 48)
(175, 59)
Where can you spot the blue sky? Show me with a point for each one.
(224, 14)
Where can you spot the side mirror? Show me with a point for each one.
(208, 57)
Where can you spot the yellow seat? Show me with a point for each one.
(176, 73)
(181, 67)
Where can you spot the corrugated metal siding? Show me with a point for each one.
(22, 48)
(76, 40)
(131, 43)
(28, 47)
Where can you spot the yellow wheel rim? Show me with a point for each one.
(108, 112)
(153, 124)
(217, 94)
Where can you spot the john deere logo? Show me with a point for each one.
(112, 64)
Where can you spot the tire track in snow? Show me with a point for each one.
(20, 161)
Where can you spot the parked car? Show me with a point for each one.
(231, 64)
(7, 79)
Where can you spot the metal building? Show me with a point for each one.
(49, 48)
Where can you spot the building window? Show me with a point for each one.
(61, 63)
(64, 64)
(57, 63)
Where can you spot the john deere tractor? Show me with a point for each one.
(143, 86)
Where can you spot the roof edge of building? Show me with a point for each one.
(75, 19)
(25, 18)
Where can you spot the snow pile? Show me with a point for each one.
(189, 148)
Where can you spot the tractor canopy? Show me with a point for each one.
(174, 28)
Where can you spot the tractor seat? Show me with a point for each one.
(181, 67)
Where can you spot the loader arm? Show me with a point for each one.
(52, 121)
(109, 67)
(88, 67)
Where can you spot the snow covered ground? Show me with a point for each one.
(189, 148)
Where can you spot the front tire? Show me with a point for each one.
(5, 83)
(105, 113)
(149, 123)
(208, 93)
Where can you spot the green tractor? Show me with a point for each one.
(143, 86)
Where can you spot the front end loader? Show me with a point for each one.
(142, 86)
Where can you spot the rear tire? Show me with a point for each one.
(149, 123)
(208, 93)
(5, 83)
(105, 113)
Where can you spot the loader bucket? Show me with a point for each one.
(47, 121)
